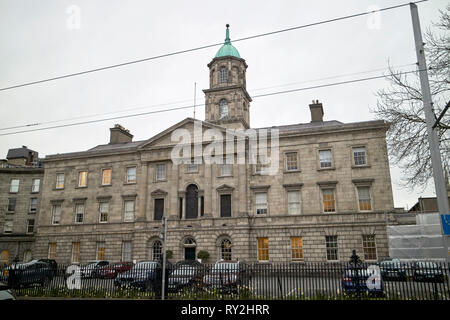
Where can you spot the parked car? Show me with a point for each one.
(6, 293)
(354, 280)
(142, 276)
(27, 274)
(52, 263)
(427, 271)
(112, 270)
(91, 269)
(392, 269)
(186, 274)
(227, 276)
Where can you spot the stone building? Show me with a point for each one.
(20, 188)
(330, 192)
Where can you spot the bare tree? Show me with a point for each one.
(401, 105)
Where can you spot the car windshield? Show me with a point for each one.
(145, 266)
(426, 265)
(360, 272)
(184, 270)
(229, 267)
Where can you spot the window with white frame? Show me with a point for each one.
(33, 205)
(35, 185)
(51, 250)
(291, 161)
(161, 172)
(79, 212)
(8, 226)
(129, 210)
(104, 210)
(82, 178)
(14, 187)
(12, 204)
(294, 202)
(332, 248)
(59, 184)
(76, 252)
(263, 248)
(30, 225)
(131, 174)
(261, 202)
(101, 250)
(297, 248)
(364, 200)
(328, 200)
(369, 247)
(106, 177)
(359, 156)
(325, 158)
(126, 251)
(223, 109)
(56, 213)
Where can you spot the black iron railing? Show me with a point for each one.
(353, 280)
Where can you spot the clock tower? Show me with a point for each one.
(227, 102)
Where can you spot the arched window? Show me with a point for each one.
(223, 109)
(223, 75)
(156, 250)
(225, 249)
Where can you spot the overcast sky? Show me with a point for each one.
(44, 39)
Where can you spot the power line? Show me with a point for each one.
(183, 101)
(191, 106)
(205, 47)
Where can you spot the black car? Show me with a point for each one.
(27, 274)
(52, 263)
(392, 270)
(354, 281)
(427, 271)
(227, 276)
(142, 276)
(186, 274)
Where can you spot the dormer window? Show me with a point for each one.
(223, 109)
(223, 75)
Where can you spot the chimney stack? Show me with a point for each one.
(316, 111)
(119, 135)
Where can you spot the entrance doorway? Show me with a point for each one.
(189, 253)
(189, 249)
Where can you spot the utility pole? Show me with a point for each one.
(163, 237)
(433, 140)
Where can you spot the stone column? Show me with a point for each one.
(173, 192)
(242, 189)
(208, 190)
(143, 191)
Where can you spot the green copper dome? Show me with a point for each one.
(227, 49)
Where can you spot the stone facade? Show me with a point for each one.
(330, 194)
(20, 191)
